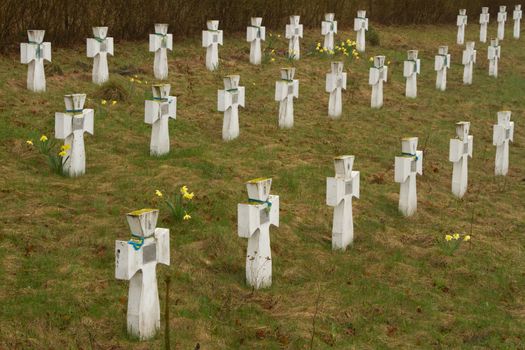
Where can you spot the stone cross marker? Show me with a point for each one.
(503, 135)
(378, 74)
(160, 42)
(361, 26)
(253, 222)
(329, 30)
(294, 32)
(494, 54)
(469, 59)
(407, 166)
(228, 101)
(502, 18)
(33, 54)
(157, 113)
(461, 23)
(254, 34)
(460, 149)
(136, 261)
(516, 15)
(70, 127)
(339, 192)
(98, 48)
(286, 90)
(484, 19)
(442, 64)
(412, 67)
(335, 83)
(211, 39)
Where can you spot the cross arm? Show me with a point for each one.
(89, 120)
(128, 261)
(162, 236)
(151, 112)
(63, 125)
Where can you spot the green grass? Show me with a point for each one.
(395, 288)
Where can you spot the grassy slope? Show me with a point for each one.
(394, 289)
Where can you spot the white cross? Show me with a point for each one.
(157, 112)
(335, 83)
(329, 30)
(294, 31)
(254, 34)
(361, 26)
(441, 65)
(407, 166)
(253, 222)
(136, 261)
(411, 68)
(160, 42)
(502, 18)
(378, 74)
(228, 101)
(516, 15)
(98, 48)
(484, 19)
(285, 90)
(503, 135)
(461, 23)
(469, 59)
(460, 149)
(70, 126)
(494, 54)
(211, 39)
(33, 54)
(339, 192)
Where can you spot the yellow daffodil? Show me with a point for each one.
(321, 50)
(113, 102)
(456, 236)
(466, 238)
(273, 51)
(371, 59)
(103, 102)
(346, 54)
(184, 189)
(65, 147)
(388, 63)
(357, 57)
(273, 59)
(271, 35)
(331, 52)
(188, 196)
(448, 238)
(186, 216)
(158, 193)
(43, 138)
(132, 80)
(62, 153)
(317, 48)
(29, 142)
(279, 35)
(146, 82)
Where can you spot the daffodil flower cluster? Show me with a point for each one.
(457, 236)
(452, 242)
(55, 159)
(181, 205)
(346, 48)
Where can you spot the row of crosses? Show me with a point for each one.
(484, 20)
(136, 259)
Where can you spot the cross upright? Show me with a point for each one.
(157, 113)
(33, 54)
(441, 65)
(494, 54)
(461, 23)
(378, 74)
(360, 26)
(484, 19)
(98, 48)
(254, 34)
(502, 18)
(329, 30)
(211, 39)
(339, 192)
(335, 83)
(228, 101)
(253, 222)
(294, 32)
(460, 150)
(160, 42)
(407, 166)
(136, 261)
(502, 136)
(411, 69)
(516, 15)
(286, 89)
(469, 59)
(70, 127)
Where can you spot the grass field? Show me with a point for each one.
(395, 288)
